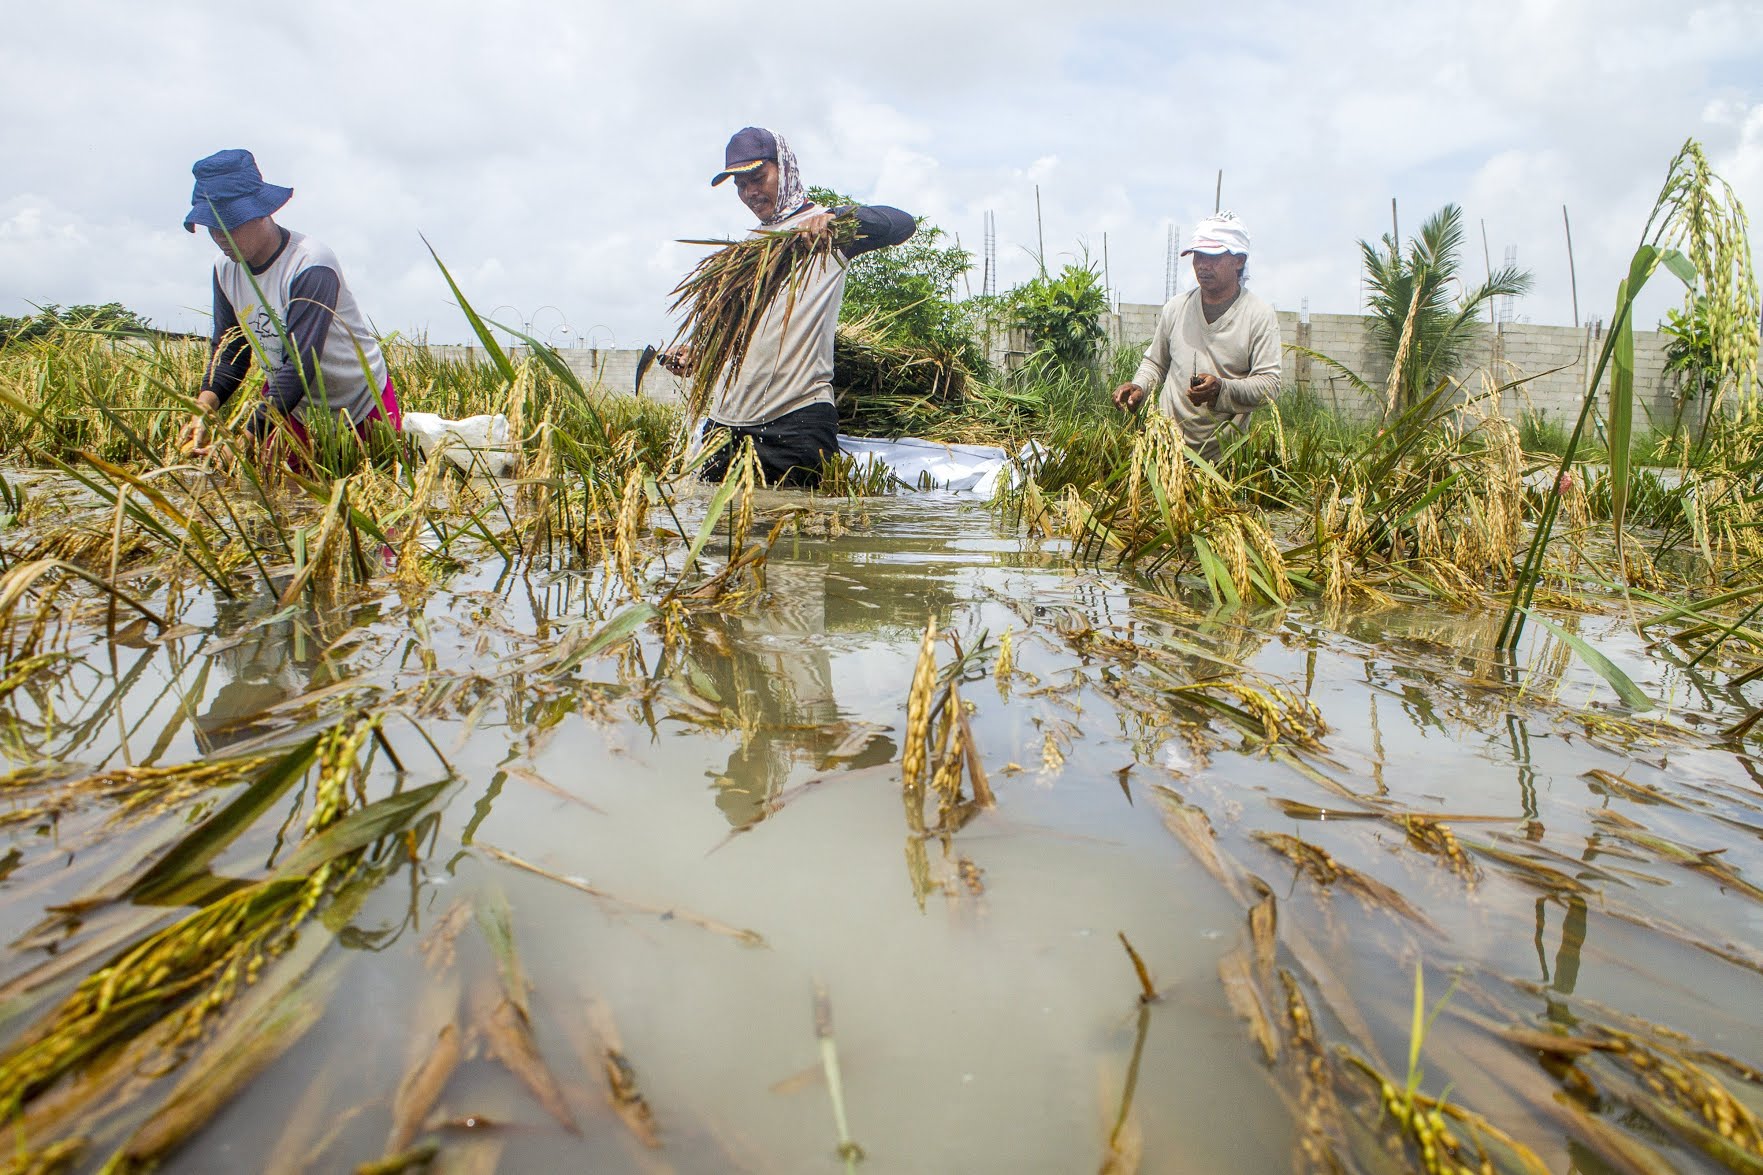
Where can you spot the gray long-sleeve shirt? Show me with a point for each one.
(1242, 348)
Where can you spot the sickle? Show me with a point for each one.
(643, 365)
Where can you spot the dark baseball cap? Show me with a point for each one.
(750, 147)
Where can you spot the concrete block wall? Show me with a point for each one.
(609, 370)
(1516, 351)
(1526, 351)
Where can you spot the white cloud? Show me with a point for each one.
(554, 154)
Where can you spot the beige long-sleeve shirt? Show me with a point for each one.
(1242, 349)
(789, 362)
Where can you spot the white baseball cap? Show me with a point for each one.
(1222, 233)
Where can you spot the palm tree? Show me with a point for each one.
(1415, 323)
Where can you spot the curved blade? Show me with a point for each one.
(643, 364)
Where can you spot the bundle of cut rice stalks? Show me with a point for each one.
(887, 386)
(728, 293)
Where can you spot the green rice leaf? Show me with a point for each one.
(359, 829)
(496, 354)
(1622, 683)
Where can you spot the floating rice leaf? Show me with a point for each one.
(1625, 688)
(672, 913)
(1190, 826)
(497, 923)
(360, 828)
(1623, 786)
(625, 623)
(605, 1051)
(269, 1020)
(1533, 871)
(1244, 995)
(416, 1158)
(510, 1038)
(190, 858)
(437, 1053)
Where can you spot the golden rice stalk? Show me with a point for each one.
(633, 510)
(914, 756)
(410, 572)
(520, 394)
(952, 755)
(533, 498)
(1263, 544)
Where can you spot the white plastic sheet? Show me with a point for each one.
(967, 469)
(477, 444)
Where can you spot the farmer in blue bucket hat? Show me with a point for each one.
(782, 397)
(280, 294)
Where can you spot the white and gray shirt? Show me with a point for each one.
(302, 289)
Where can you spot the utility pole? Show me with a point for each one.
(1572, 273)
(1488, 260)
(1218, 193)
(1107, 282)
(1040, 233)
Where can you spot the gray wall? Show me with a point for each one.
(1514, 352)
(613, 370)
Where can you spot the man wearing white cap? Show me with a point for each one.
(1216, 350)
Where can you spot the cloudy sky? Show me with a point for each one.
(553, 153)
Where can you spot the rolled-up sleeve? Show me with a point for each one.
(879, 227)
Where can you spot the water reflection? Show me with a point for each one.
(265, 657)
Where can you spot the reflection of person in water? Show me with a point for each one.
(260, 670)
(779, 678)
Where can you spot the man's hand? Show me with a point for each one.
(1128, 397)
(193, 439)
(818, 225)
(1203, 390)
(678, 360)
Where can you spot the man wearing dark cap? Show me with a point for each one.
(782, 397)
(281, 295)
(1215, 354)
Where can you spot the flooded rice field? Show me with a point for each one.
(1098, 881)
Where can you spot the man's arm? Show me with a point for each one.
(1262, 383)
(312, 303)
(230, 356)
(878, 227)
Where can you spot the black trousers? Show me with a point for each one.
(790, 448)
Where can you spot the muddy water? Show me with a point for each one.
(984, 1011)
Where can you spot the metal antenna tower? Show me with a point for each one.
(988, 284)
(1508, 309)
(1171, 264)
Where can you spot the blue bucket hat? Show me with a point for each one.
(229, 184)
